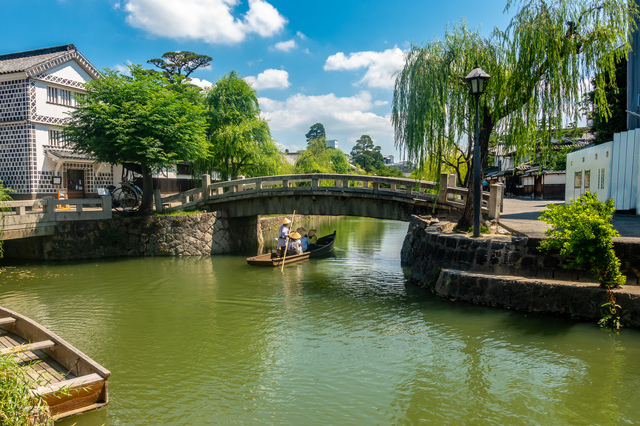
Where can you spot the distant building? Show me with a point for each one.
(610, 169)
(332, 143)
(388, 159)
(291, 157)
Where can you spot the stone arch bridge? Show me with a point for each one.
(329, 195)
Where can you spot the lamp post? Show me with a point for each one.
(477, 80)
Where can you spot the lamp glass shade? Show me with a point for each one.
(477, 80)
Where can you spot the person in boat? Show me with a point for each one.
(304, 241)
(283, 233)
(294, 247)
(313, 238)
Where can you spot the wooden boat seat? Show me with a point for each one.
(87, 380)
(7, 320)
(29, 347)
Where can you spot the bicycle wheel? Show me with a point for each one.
(126, 198)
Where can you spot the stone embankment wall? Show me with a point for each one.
(189, 235)
(510, 272)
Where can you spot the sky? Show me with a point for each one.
(329, 62)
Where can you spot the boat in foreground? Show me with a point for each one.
(323, 246)
(63, 377)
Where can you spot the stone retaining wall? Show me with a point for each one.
(510, 272)
(430, 244)
(188, 235)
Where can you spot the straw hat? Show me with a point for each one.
(285, 221)
(294, 236)
(312, 232)
(302, 231)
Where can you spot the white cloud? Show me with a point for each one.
(344, 118)
(380, 66)
(211, 21)
(270, 79)
(286, 46)
(200, 83)
(123, 69)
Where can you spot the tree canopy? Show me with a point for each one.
(140, 120)
(177, 66)
(240, 139)
(366, 155)
(315, 132)
(537, 66)
(604, 127)
(318, 158)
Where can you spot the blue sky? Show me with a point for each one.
(330, 62)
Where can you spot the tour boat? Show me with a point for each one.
(323, 246)
(67, 380)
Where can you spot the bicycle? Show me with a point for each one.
(128, 196)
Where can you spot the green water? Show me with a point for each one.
(342, 340)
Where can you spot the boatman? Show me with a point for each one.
(283, 233)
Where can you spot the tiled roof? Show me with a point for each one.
(64, 154)
(34, 62)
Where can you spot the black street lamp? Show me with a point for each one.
(477, 80)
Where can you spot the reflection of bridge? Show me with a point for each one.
(329, 194)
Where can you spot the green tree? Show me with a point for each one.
(318, 158)
(604, 126)
(366, 155)
(315, 132)
(240, 139)
(140, 120)
(536, 64)
(178, 66)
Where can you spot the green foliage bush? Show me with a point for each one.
(17, 407)
(583, 230)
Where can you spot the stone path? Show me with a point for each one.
(521, 216)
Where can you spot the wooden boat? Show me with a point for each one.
(66, 379)
(323, 246)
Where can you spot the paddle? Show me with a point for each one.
(286, 243)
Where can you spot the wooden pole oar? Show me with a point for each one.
(286, 243)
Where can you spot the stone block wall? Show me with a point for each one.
(430, 246)
(189, 235)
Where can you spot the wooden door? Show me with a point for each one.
(75, 184)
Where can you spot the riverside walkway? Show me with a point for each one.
(521, 216)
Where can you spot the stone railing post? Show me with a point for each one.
(157, 199)
(376, 187)
(444, 186)
(21, 210)
(285, 183)
(50, 208)
(206, 181)
(495, 200)
(106, 206)
(345, 183)
(314, 183)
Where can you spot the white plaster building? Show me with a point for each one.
(37, 90)
(611, 169)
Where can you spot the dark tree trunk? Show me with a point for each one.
(486, 127)
(146, 207)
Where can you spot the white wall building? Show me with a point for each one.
(37, 90)
(332, 143)
(611, 170)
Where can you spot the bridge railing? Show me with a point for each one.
(48, 211)
(446, 192)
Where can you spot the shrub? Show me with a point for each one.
(17, 406)
(583, 231)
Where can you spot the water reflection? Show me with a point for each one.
(337, 340)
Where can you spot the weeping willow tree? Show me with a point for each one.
(538, 67)
(240, 139)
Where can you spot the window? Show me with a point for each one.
(61, 96)
(587, 179)
(56, 138)
(577, 180)
(600, 178)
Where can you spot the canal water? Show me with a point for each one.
(341, 340)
